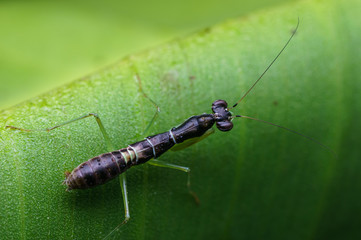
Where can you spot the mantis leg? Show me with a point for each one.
(123, 184)
(159, 163)
(157, 111)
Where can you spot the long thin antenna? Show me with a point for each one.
(292, 131)
(269, 66)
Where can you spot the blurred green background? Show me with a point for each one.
(44, 44)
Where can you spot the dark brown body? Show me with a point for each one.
(107, 166)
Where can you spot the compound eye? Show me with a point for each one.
(224, 125)
(218, 104)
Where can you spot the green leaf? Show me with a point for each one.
(254, 182)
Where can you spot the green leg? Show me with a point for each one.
(159, 163)
(100, 124)
(123, 184)
(157, 111)
(110, 147)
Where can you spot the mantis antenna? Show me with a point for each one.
(269, 66)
